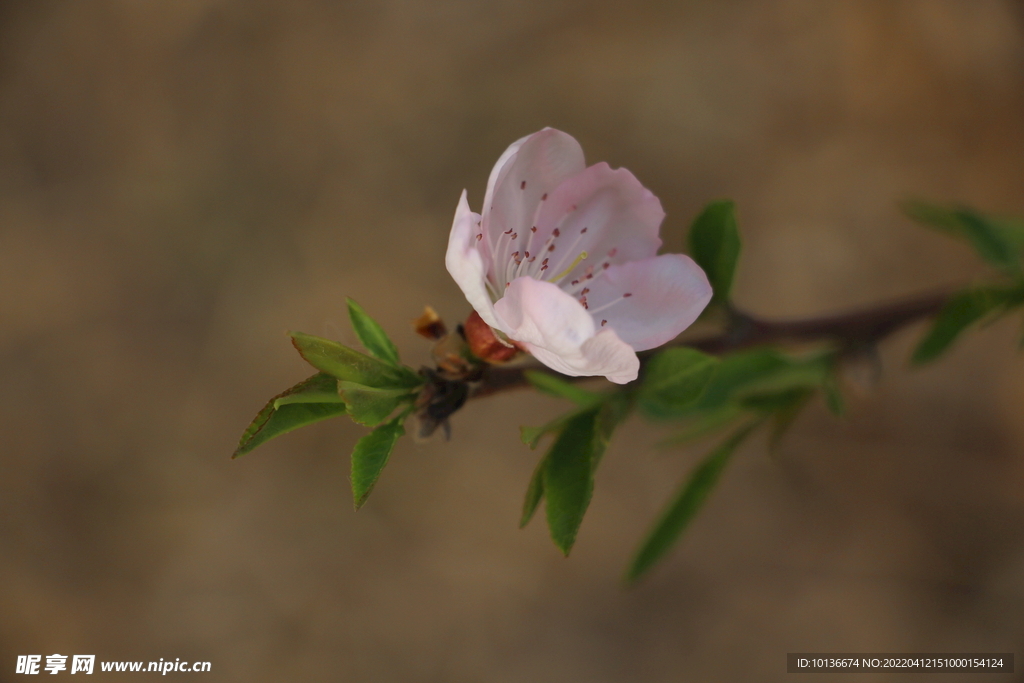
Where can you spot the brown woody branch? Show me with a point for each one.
(850, 331)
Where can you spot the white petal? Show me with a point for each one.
(466, 263)
(604, 354)
(603, 211)
(560, 333)
(540, 164)
(492, 180)
(666, 294)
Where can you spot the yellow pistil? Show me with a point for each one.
(581, 257)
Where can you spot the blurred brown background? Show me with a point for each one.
(181, 182)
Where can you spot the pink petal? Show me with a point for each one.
(468, 264)
(603, 354)
(602, 211)
(492, 180)
(560, 333)
(667, 293)
(533, 171)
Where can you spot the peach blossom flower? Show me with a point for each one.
(563, 261)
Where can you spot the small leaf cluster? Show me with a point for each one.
(374, 389)
(1000, 243)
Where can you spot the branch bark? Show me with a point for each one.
(851, 330)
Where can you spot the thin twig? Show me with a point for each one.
(852, 330)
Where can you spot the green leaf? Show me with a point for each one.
(569, 479)
(833, 396)
(761, 372)
(372, 335)
(559, 388)
(371, 455)
(308, 401)
(996, 241)
(785, 415)
(715, 246)
(685, 506)
(369, 406)
(534, 493)
(352, 366)
(960, 312)
(673, 380)
(320, 388)
(768, 403)
(704, 424)
(531, 436)
(604, 418)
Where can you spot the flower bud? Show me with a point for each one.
(483, 342)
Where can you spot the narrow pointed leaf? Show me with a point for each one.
(715, 246)
(531, 436)
(559, 388)
(371, 455)
(369, 406)
(569, 479)
(786, 415)
(997, 241)
(350, 365)
(704, 424)
(760, 372)
(308, 401)
(833, 396)
(960, 312)
(685, 506)
(534, 493)
(372, 335)
(599, 421)
(673, 380)
(611, 413)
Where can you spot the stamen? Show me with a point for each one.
(515, 235)
(522, 185)
(544, 196)
(508, 232)
(581, 257)
(479, 236)
(603, 323)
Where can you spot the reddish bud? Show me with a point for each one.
(483, 343)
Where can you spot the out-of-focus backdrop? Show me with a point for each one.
(182, 182)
